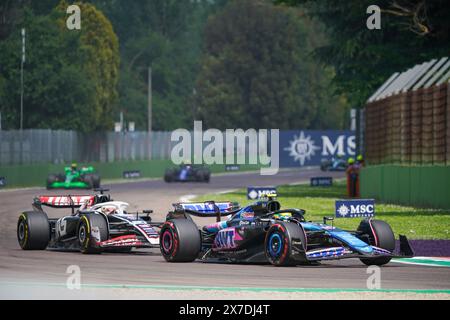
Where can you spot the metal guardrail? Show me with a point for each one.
(35, 146)
(39, 146)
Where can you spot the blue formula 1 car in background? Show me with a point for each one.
(187, 173)
(262, 232)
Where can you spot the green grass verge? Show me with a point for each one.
(415, 223)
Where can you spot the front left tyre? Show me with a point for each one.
(379, 234)
(285, 244)
(92, 229)
(33, 230)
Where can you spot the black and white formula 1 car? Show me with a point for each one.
(264, 233)
(96, 224)
(187, 173)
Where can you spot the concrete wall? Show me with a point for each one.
(422, 186)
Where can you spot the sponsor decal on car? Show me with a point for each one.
(208, 207)
(66, 200)
(95, 233)
(225, 239)
(123, 241)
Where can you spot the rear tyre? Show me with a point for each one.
(199, 176)
(51, 178)
(33, 230)
(95, 181)
(285, 244)
(180, 241)
(379, 234)
(92, 229)
(89, 180)
(168, 176)
(206, 175)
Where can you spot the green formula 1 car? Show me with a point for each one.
(72, 178)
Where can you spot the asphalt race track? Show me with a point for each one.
(145, 274)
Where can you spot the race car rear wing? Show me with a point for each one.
(63, 201)
(208, 208)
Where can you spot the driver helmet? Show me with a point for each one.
(351, 161)
(73, 166)
(108, 210)
(359, 158)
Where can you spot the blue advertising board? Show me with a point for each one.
(355, 208)
(310, 147)
(254, 193)
(321, 181)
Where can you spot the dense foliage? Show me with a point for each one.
(412, 31)
(70, 77)
(233, 63)
(257, 71)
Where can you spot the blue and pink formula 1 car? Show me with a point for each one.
(264, 233)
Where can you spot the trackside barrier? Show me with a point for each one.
(422, 186)
(36, 175)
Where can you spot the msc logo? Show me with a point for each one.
(302, 148)
(309, 146)
(355, 208)
(254, 193)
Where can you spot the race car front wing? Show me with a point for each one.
(335, 253)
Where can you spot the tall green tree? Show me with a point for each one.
(70, 76)
(166, 35)
(257, 71)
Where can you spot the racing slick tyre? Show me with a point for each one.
(200, 176)
(92, 228)
(51, 178)
(380, 235)
(33, 230)
(206, 176)
(89, 180)
(95, 181)
(285, 244)
(168, 176)
(180, 240)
